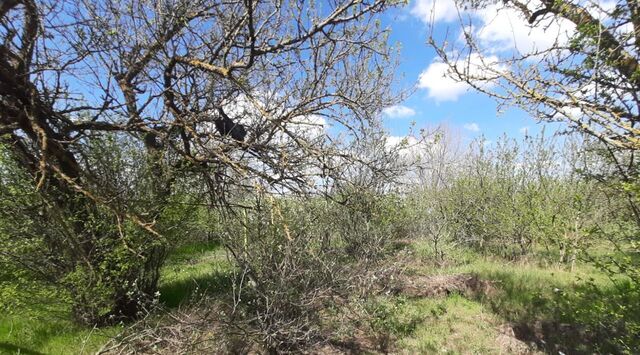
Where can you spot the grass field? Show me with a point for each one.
(34, 329)
(526, 307)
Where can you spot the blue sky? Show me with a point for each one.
(469, 112)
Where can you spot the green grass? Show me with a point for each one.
(580, 310)
(201, 268)
(48, 329)
(453, 325)
(528, 292)
(33, 332)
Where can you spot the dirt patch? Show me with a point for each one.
(510, 344)
(552, 337)
(443, 285)
(358, 343)
(472, 286)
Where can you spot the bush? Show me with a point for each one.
(510, 200)
(298, 258)
(285, 272)
(107, 265)
(608, 316)
(367, 224)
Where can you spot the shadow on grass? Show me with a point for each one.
(172, 294)
(194, 270)
(6, 348)
(578, 317)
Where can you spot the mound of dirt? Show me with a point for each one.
(443, 285)
(510, 344)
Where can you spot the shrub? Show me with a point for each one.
(296, 258)
(107, 265)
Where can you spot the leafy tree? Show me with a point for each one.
(231, 94)
(587, 75)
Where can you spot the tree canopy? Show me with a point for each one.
(585, 72)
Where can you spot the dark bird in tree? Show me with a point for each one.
(151, 141)
(226, 127)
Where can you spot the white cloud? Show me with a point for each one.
(572, 113)
(410, 149)
(401, 141)
(398, 111)
(435, 10)
(503, 29)
(443, 86)
(309, 126)
(473, 127)
(524, 130)
(440, 85)
(602, 8)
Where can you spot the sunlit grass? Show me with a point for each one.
(49, 329)
(200, 267)
(527, 291)
(32, 332)
(453, 325)
(533, 292)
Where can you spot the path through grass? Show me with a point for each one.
(531, 298)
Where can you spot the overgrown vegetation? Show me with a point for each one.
(225, 185)
(288, 273)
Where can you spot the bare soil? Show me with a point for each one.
(444, 285)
